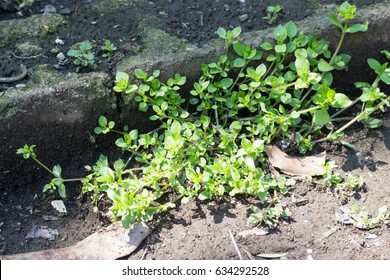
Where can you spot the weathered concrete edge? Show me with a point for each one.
(188, 63)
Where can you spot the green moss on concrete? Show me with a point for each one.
(36, 26)
(27, 49)
(81, 88)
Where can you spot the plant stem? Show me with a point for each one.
(45, 167)
(73, 180)
(346, 108)
(310, 109)
(355, 119)
(341, 119)
(340, 43)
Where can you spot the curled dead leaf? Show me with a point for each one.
(296, 166)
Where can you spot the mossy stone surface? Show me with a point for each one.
(36, 26)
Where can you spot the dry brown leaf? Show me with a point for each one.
(106, 244)
(296, 166)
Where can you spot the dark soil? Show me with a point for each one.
(195, 230)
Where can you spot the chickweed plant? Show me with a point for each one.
(108, 48)
(83, 55)
(213, 144)
(273, 12)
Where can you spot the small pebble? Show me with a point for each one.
(59, 206)
(49, 9)
(65, 11)
(58, 41)
(61, 56)
(243, 17)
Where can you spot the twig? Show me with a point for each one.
(250, 256)
(235, 245)
(15, 78)
(145, 249)
(26, 57)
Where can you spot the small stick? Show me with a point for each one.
(145, 249)
(15, 78)
(250, 255)
(235, 245)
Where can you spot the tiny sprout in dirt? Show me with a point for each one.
(214, 143)
(108, 48)
(273, 12)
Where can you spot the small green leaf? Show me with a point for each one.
(226, 82)
(236, 125)
(334, 20)
(291, 29)
(119, 164)
(295, 114)
(221, 33)
(357, 28)
(61, 190)
(143, 107)
(372, 123)
(385, 77)
(324, 66)
(321, 117)
(205, 195)
(102, 121)
(266, 46)
(239, 48)
(239, 62)
(98, 130)
(280, 48)
(375, 65)
(347, 144)
(140, 74)
(57, 170)
(236, 31)
(280, 33)
(341, 101)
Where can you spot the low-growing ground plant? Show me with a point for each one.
(214, 144)
(83, 55)
(108, 48)
(272, 13)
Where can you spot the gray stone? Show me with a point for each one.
(49, 9)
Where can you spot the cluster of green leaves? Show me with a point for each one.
(369, 222)
(273, 13)
(83, 55)
(57, 183)
(108, 48)
(214, 143)
(24, 3)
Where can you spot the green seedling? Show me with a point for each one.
(269, 216)
(108, 48)
(213, 144)
(24, 3)
(83, 55)
(369, 222)
(57, 183)
(273, 12)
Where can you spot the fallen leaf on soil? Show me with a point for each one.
(347, 213)
(41, 232)
(255, 231)
(59, 206)
(110, 243)
(296, 166)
